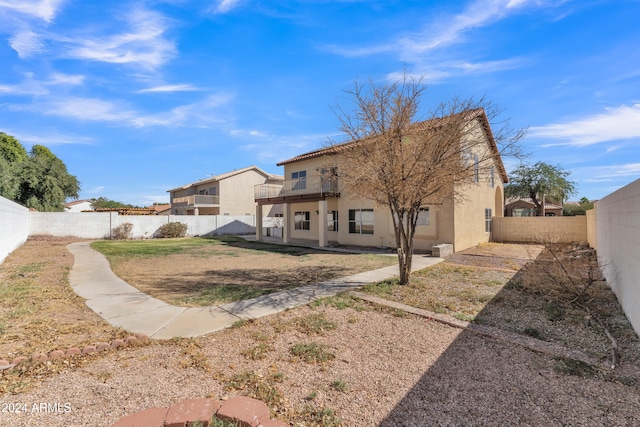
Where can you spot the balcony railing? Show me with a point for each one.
(309, 185)
(196, 200)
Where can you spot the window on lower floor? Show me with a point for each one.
(423, 216)
(487, 220)
(332, 221)
(302, 220)
(361, 221)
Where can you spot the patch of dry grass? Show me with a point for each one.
(214, 271)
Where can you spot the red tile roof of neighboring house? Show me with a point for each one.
(477, 113)
(160, 207)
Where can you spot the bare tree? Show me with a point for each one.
(572, 276)
(405, 165)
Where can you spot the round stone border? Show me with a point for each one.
(244, 411)
(130, 341)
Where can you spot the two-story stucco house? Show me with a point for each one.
(229, 193)
(316, 207)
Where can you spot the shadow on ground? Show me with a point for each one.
(480, 380)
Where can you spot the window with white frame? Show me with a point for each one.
(299, 180)
(361, 221)
(302, 220)
(423, 216)
(487, 220)
(332, 221)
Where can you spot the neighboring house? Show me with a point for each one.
(78, 206)
(316, 208)
(161, 208)
(526, 207)
(230, 193)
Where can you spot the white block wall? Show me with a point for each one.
(618, 237)
(14, 226)
(97, 225)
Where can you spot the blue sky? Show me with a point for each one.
(137, 97)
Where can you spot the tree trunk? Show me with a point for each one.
(405, 257)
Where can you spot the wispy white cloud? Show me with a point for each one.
(32, 86)
(51, 138)
(440, 70)
(41, 9)
(170, 88)
(199, 114)
(611, 173)
(144, 44)
(224, 6)
(26, 43)
(87, 109)
(270, 147)
(428, 48)
(614, 124)
(65, 79)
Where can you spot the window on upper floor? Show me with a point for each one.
(299, 180)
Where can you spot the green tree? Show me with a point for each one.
(12, 155)
(104, 203)
(45, 183)
(537, 181)
(11, 150)
(37, 179)
(580, 209)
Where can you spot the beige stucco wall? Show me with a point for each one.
(540, 229)
(236, 193)
(592, 227)
(464, 228)
(487, 193)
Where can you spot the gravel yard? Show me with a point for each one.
(346, 362)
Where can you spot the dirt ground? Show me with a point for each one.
(339, 362)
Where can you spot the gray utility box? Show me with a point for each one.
(442, 250)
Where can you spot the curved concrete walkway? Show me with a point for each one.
(126, 307)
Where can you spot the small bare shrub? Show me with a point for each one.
(122, 232)
(172, 229)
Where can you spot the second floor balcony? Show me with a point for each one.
(196, 200)
(314, 187)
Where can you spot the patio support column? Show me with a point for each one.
(196, 211)
(259, 222)
(323, 237)
(286, 230)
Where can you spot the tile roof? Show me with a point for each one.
(477, 113)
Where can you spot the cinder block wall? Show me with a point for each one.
(563, 229)
(97, 225)
(14, 226)
(618, 240)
